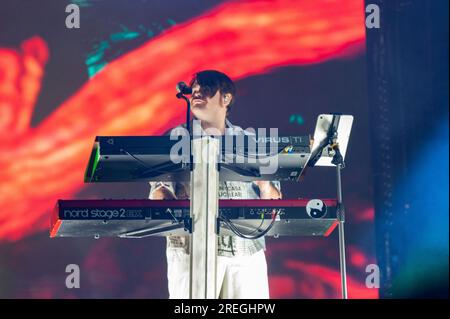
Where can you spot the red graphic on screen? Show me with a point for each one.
(134, 95)
(42, 164)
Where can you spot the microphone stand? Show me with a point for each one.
(188, 110)
(180, 95)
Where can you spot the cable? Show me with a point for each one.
(137, 159)
(257, 155)
(256, 229)
(158, 169)
(231, 238)
(175, 219)
(238, 233)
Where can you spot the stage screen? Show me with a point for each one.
(63, 84)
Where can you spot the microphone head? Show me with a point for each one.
(183, 88)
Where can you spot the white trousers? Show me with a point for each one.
(238, 277)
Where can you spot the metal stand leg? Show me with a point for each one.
(342, 260)
(341, 216)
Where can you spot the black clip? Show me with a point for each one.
(188, 224)
(217, 225)
(340, 212)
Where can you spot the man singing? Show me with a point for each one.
(241, 263)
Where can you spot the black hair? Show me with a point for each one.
(211, 81)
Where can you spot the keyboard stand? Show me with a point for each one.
(329, 147)
(204, 208)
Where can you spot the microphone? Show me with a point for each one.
(183, 88)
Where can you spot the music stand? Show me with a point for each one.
(330, 143)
